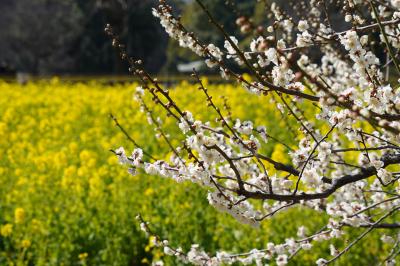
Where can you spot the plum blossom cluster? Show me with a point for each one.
(344, 162)
(281, 252)
(175, 31)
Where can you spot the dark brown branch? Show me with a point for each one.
(340, 182)
(117, 124)
(231, 163)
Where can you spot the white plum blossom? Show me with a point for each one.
(120, 152)
(311, 177)
(304, 39)
(282, 75)
(136, 157)
(350, 41)
(281, 260)
(216, 55)
(303, 25)
(395, 3)
(385, 175)
(387, 239)
(336, 96)
(321, 262)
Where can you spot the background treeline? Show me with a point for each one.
(66, 36)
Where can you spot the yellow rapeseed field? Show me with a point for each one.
(66, 201)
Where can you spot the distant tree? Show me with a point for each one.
(66, 36)
(37, 36)
(141, 33)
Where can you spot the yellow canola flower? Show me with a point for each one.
(279, 154)
(36, 226)
(26, 243)
(18, 172)
(85, 155)
(6, 230)
(83, 256)
(73, 146)
(19, 215)
(148, 192)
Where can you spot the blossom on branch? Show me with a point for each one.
(333, 91)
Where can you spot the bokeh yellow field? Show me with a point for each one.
(66, 201)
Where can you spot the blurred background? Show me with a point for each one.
(66, 37)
